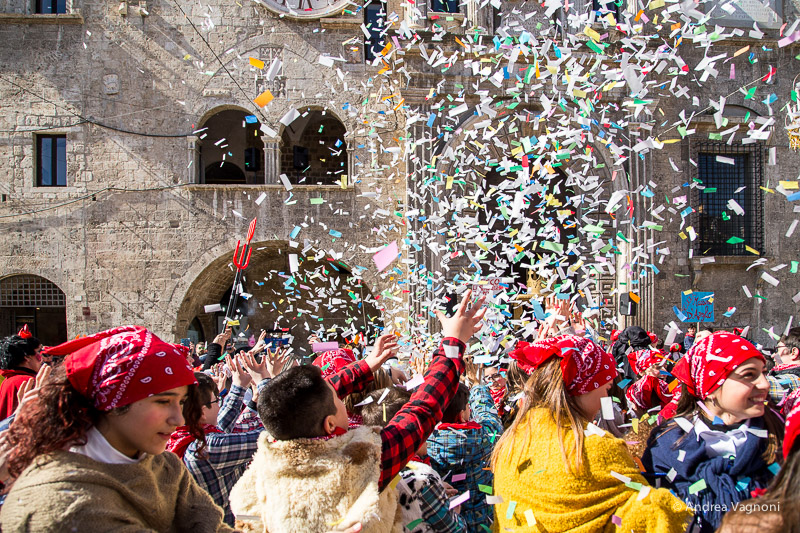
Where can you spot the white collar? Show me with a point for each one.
(721, 443)
(99, 449)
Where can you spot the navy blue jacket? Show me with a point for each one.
(729, 480)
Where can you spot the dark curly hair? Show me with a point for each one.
(14, 349)
(60, 416)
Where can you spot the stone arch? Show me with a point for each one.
(229, 147)
(314, 148)
(36, 301)
(323, 292)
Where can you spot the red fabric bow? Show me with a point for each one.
(792, 408)
(641, 360)
(123, 365)
(332, 361)
(584, 365)
(181, 438)
(711, 360)
(25, 333)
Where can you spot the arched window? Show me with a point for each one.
(231, 149)
(37, 302)
(314, 151)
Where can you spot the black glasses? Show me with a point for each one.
(212, 402)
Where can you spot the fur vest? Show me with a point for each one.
(316, 485)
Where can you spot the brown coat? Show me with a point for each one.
(66, 491)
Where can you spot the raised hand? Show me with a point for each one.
(218, 375)
(223, 337)
(30, 389)
(385, 348)
(260, 344)
(278, 360)
(258, 371)
(464, 323)
(238, 373)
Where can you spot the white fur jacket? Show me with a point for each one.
(316, 485)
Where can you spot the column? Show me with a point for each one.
(272, 160)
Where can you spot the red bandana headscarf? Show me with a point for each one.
(334, 360)
(584, 364)
(123, 365)
(641, 360)
(25, 333)
(710, 360)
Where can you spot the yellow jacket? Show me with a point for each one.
(533, 477)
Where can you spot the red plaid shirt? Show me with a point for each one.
(412, 425)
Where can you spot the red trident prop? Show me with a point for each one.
(241, 261)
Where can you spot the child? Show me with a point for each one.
(314, 474)
(649, 390)
(722, 443)
(462, 445)
(422, 495)
(90, 449)
(20, 359)
(219, 464)
(554, 470)
(777, 510)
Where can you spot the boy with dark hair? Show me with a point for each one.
(316, 475)
(20, 360)
(422, 496)
(462, 444)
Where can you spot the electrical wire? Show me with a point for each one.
(90, 195)
(92, 121)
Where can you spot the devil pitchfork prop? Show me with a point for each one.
(241, 261)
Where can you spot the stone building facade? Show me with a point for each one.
(167, 159)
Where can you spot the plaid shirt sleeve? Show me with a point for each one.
(352, 378)
(781, 385)
(409, 428)
(484, 412)
(435, 507)
(227, 456)
(231, 408)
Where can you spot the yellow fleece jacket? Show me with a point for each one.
(533, 477)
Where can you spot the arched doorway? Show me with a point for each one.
(314, 150)
(36, 301)
(231, 149)
(319, 295)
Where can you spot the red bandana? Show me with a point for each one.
(334, 360)
(497, 397)
(641, 360)
(123, 365)
(25, 333)
(460, 425)
(792, 429)
(584, 364)
(784, 366)
(710, 360)
(181, 438)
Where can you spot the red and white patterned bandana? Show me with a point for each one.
(119, 366)
(584, 364)
(641, 360)
(332, 361)
(711, 360)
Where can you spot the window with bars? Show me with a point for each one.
(445, 6)
(374, 20)
(728, 203)
(51, 6)
(51, 160)
(30, 291)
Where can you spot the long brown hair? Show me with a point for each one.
(545, 389)
(688, 407)
(60, 416)
(778, 509)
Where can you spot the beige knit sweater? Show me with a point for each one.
(66, 491)
(315, 485)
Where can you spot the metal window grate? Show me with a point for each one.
(720, 231)
(30, 291)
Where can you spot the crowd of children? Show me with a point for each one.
(121, 431)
